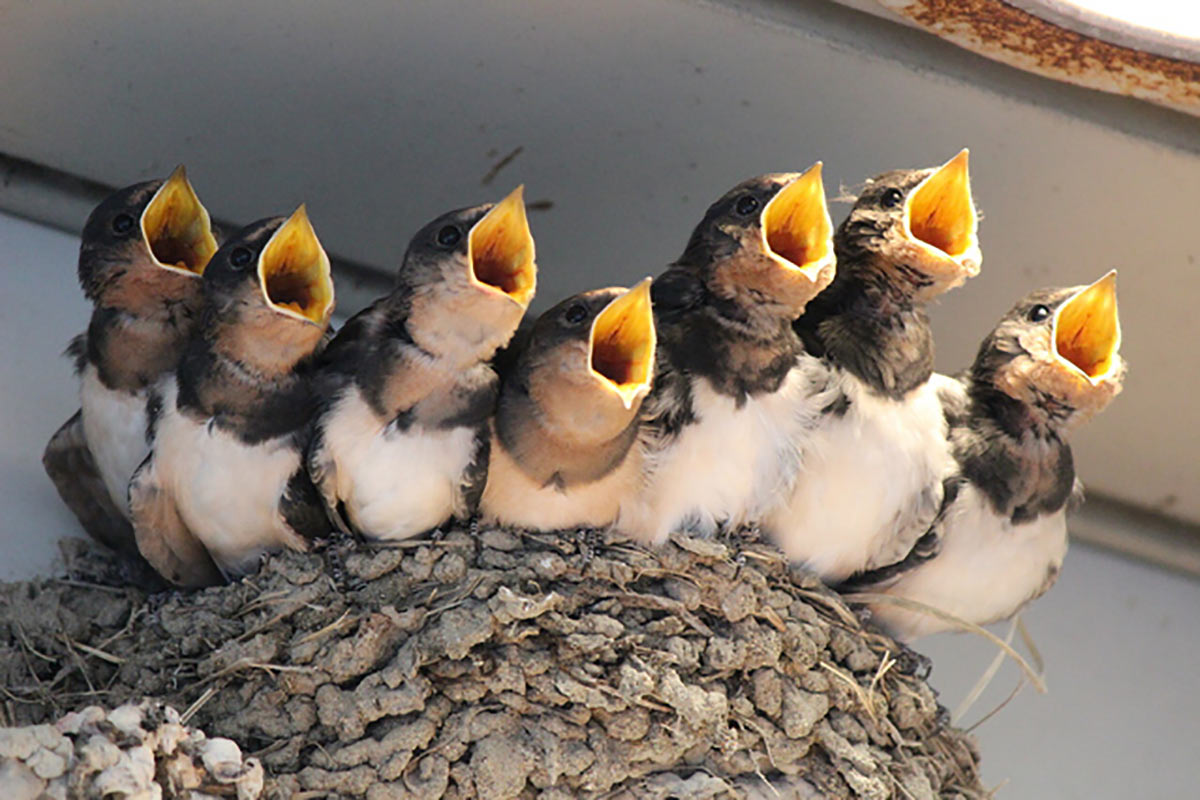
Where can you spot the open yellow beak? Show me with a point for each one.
(293, 271)
(176, 226)
(940, 212)
(797, 227)
(622, 344)
(500, 250)
(1087, 332)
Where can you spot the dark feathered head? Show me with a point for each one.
(270, 292)
(146, 244)
(767, 243)
(578, 384)
(1056, 352)
(918, 227)
(467, 278)
(601, 342)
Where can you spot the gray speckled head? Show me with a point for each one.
(1056, 352)
(766, 244)
(916, 227)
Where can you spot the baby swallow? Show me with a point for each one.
(725, 415)
(142, 253)
(563, 452)
(225, 477)
(875, 457)
(1000, 538)
(401, 442)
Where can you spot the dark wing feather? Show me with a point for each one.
(163, 538)
(506, 357)
(474, 477)
(71, 468)
(302, 507)
(345, 350)
(674, 293)
(77, 352)
(322, 471)
(926, 548)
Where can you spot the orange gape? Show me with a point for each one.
(177, 227)
(294, 270)
(1087, 332)
(501, 249)
(623, 339)
(796, 222)
(940, 211)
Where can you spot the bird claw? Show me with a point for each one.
(864, 615)
(751, 533)
(942, 718)
(910, 662)
(736, 537)
(439, 533)
(335, 548)
(588, 541)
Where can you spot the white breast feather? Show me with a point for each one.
(394, 484)
(114, 423)
(730, 467)
(227, 492)
(513, 498)
(986, 571)
(870, 485)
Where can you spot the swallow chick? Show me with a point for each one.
(142, 253)
(401, 443)
(225, 478)
(999, 541)
(722, 425)
(566, 422)
(876, 455)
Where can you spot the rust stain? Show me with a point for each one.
(1008, 34)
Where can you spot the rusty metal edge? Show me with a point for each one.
(1010, 35)
(1076, 16)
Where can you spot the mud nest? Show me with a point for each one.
(134, 751)
(497, 665)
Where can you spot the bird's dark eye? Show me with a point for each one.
(448, 236)
(747, 205)
(123, 223)
(1038, 313)
(240, 256)
(891, 198)
(576, 313)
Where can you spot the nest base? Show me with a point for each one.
(500, 664)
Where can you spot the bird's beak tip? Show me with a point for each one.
(501, 251)
(940, 213)
(295, 273)
(797, 226)
(1087, 329)
(622, 344)
(176, 226)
